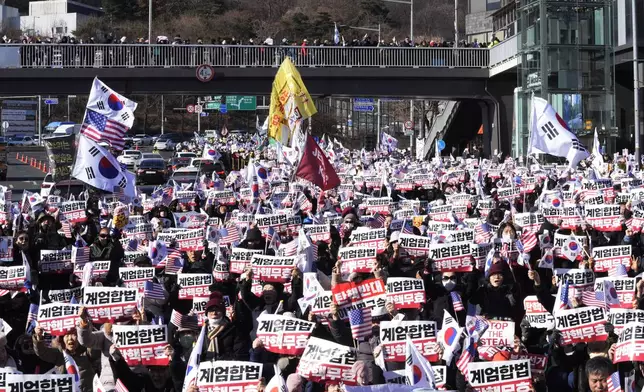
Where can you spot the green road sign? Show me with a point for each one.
(233, 102)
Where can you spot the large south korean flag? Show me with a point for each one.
(97, 167)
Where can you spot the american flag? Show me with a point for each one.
(408, 228)
(173, 262)
(67, 228)
(360, 320)
(614, 385)
(98, 128)
(33, 313)
(482, 233)
(466, 356)
(153, 290)
(183, 321)
(229, 235)
(80, 255)
(564, 301)
(289, 249)
(618, 271)
(594, 298)
(456, 302)
(377, 221)
(119, 387)
(529, 241)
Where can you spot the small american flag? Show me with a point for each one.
(99, 128)
(183, 321)
(456, 302)
(408, 228)
(529, 241)
(33, 313)
(289, 249)
(466, 356)
(482, 233)
(564, 301)
(80, 255)
(377, 221)
(67, 228)
(594, 298)
(119, 387)
(153, 290)
(173, 262)
(229, 235)
(360, 320)
(614, 385)
(618, 271)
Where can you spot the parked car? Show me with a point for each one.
(185, 175)
(151, 171)
(46, 185)
(21, 141)
(208, 166)
(151, 155)
(142, 139)
(167, 142)
(178, 162)
(129, 158)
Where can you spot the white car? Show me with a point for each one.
(167, 142)
(142, 139)
(129, 158)
(46, 185)
(22, 141)
(185, 155)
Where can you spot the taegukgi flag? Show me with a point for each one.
(549, 134)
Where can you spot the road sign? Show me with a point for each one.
(204, 114)
(233, 102)
(223, 108)
(409, 124)
(51, 101)
(198, 108)
(190, 108)
(364, 101)
(5, 125)
(205, 73)
(441, 145)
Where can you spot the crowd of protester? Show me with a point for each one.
(493, 290)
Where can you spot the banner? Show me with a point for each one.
(229, 376)
(40, 382)
(357, 259)
(536, 315)
(318, 233)
(73, 211)
(65, 295)
(225, 198)
(55, 261)
(136, 277)
(415, 245)
(324, 360)
(500, 376)
(272, 268)
(277, 221)
(581, 325)
(608, 257)
(394, 335)
(377, 204)
(187, 239)
(625, 288)
(604, 217)
(240, 259)
(464, 235)
(13, 278)
(508, 193)
(451, 257)
(283, 335)
(57, 319)
(571, 216)
(498, 334)
(579, 280)
(369, 238)
(194, 285)
(106, 304)
(142, 344)
(190, 220)
(529, 221)
(140, 231)
(369, 293)
(406, 293)
(621, 317)
(444, 213)
(630, 344)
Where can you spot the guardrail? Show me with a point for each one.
(184, 56)
(504, 51)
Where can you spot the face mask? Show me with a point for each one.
(187, 341)
(449, 285)
(213, 322)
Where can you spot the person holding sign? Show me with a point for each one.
(497, 298)
(71, 345)
(98, 340)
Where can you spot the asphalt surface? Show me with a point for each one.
(23, 177)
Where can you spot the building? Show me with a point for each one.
(577, 54)
(9, 18)
(56, 18)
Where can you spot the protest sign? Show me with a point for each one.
(323, 360)
(13, 278)
(415, 245)
(394, 335)
(272, 268)
(609, 257)
(136, 277)
(194, 285)
(451, 257)
(581, 325)
(500, 376)
(536, 315)
(55, 261)
(240, 259)
(406, 293)
(498, 334)
(107, 304)
(228, 376)
(369, 238)
(40, 382)
(186, 239)
(142, 344)
(58, 318)
(625, 288)
(621, 317)
(61, 152)
(73, 211)
(357, 259)
(283, 335)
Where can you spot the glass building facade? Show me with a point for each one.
(566, 52)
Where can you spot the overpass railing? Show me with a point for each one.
(182, 56)
(504, 51)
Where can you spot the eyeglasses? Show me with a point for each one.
(446, 278)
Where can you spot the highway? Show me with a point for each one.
(23, 177)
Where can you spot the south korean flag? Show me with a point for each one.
(97, 167)
(111, 104)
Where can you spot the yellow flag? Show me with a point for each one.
(290, 102)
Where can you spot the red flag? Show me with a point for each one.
(314, 167)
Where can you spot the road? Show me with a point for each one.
(23, 177)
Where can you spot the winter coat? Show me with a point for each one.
(97, 340)
(112, 251)
(81, 357)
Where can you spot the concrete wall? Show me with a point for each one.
(9, 17)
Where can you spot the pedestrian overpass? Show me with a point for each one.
(448, 74)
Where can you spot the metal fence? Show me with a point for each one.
(178, 56)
